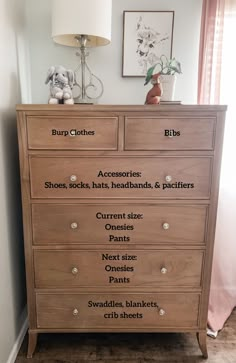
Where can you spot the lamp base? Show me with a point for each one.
(88, 88)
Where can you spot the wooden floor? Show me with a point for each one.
(132, 348)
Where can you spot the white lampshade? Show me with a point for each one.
(81, 17)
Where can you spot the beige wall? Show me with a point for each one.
(12, 285)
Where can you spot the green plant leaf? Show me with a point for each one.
(178, 66)
(165, 66)
(149, 75)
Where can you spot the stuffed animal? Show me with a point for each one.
(61, 84)
(155, 93)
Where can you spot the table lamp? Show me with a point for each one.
(83, 24)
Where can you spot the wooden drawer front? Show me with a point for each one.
(65, 269)
(169, 133)
(72, 133)
(71, 223)
(99, 177)
(87, 311)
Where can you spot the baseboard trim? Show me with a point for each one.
(19, 339)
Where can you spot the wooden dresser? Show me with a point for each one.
(119, 210)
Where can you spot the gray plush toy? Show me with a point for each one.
(61, 85)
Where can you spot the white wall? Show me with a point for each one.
(12, 285)
(106, 61)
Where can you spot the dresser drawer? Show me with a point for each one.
(66, 269)
(132, 223)
(169, 133)
(120, 177)
(72, 133)
(124, 311)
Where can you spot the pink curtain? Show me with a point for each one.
(216, 84)
(210, 52)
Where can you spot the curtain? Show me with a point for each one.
(216, 85)
(210, 52)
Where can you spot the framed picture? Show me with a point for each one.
(146, 36)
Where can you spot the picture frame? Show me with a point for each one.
(146, 36)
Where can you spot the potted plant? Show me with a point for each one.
(166, 69)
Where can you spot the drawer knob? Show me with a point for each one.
(165, 226)
(168, 178)
(74, 271)
(75, 312)
(162, 312)
(163, 270)
(74, 225)
(73, 178)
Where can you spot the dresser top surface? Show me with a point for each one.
(120, 108)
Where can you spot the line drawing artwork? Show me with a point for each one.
(147, 36)
(147, 41)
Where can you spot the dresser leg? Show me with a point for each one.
(33, 337)
(201, 337)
